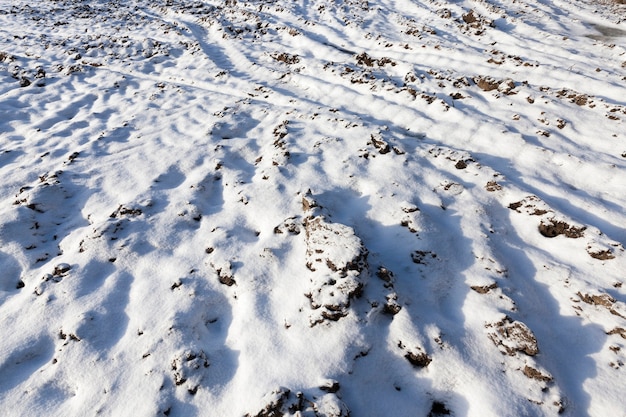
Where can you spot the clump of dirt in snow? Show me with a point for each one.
(419, 359)
(472, 22)
(337, 258)
(533, 373)
(123, 211)
(549, 226)
(283, 402)
(416, 357)
(506, 86)
(555, 228)
(438, 409)
(224, 273)
(187, 369)
(531, 205)
(513, 336)
(493, 186)
(618, 331)
(604, 300)
(601, 255)
(286, 58)
(290, 226)
(484, 289)
(364, 59)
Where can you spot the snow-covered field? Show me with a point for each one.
(313, 208)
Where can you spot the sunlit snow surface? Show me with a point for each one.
(313, 208)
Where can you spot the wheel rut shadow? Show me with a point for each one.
(202, 363)
(10, 275)
(22, 363)
(45, 213)
(214, 52)
(566, 345)
(431, 295)
(104, 324)
(562, 204)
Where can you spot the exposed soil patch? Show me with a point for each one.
(618, 331)
(604, 300)
(419, 360)
(123, 211)
(460, 165)
(283, 402)
(286, 58)
(532, 373)
(602, 255)
(555, 228)
(485, 288)
(336, 258)
(512, 337)
(384, 274)
(487, 83)
(438, 409)
(391, 306)
(188, 370)
(493, 186)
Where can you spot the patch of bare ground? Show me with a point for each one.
(336, 275)
(553, 228)
(416, 357)
(603, 300)
(283, 402)
(602, 255)
(512, 337)
(484, 289)
(618, 331)
(533, 373)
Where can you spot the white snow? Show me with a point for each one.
(312, 208)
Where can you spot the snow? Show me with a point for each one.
(312, 208)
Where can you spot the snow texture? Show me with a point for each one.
(313, 208)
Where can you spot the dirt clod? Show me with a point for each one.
(484, 289)
(469, 17)
(61, 269)
(419, 360)
(493, 186)
(618, 331)
(331, 386)
(512, 337)
(532, 373)
(602, 255)
(487, 83)
(286, 58)
(555, 228)
(438, 409)
(604, 300)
